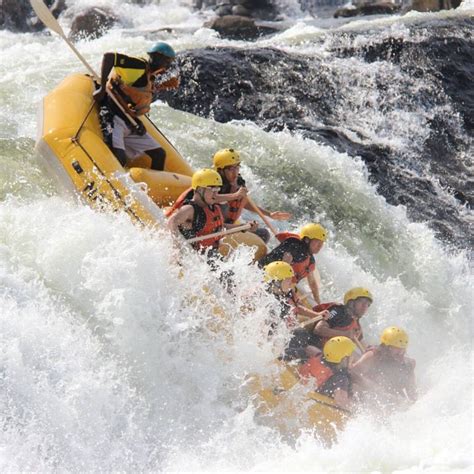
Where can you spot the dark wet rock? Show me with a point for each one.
(223, 8)
(370, 8)
(239, 27)
(241, 10)
(309, 95)
(260, 9)
(18, 15)
(92, 23)
(434, 5)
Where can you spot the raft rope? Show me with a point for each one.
(162, 134)
(118, 196)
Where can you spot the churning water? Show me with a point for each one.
(108, 360)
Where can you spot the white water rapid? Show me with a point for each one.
(106, 361)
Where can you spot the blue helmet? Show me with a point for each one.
(162, 48)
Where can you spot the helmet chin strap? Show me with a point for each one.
(201, 193)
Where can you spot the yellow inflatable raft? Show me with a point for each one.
(71, 148)
(294, 406)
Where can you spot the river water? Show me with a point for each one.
(106, 361)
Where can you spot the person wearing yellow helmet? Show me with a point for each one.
(299, 250)
(330, 369)
(391, 373)
(201, 215)
(344, 319)
(279, 276)
(134, 83)
(227, 163)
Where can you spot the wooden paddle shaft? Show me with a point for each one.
(222, 233)
(311, 321)
(48, 19)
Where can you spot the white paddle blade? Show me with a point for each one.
(46, 16)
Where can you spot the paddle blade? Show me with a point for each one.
(46, 16)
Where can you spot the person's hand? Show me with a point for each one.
(280, 215)
(241, 193)
(99, 95)
(354, 335)
(325, 314)
(253, 226)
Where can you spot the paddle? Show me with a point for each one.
(311, 321)
(222, 233)
(48, 19)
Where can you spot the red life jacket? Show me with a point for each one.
(324, 306)
(354, 324)
(214, 223)
(315, 368)
(234, 210)
(305, 267)
(179, 202)
(282, 236)
(214, 219)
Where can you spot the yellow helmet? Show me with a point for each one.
(337, 348)
(206, 177)
(358, 292)
(394, 336)
(226, 157)
(278, 271)
(314, 231)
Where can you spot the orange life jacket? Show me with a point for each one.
(314, 367)
(234, 210)
(305, 267)
(354, 324)
(324, 306)
(282, 236)
(179, 202)
(214, 223)
(135, 100)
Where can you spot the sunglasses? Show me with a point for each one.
(232, 168)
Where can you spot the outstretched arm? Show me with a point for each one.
(313, 285)
(323, 329)
(240, 194)
(276, 215)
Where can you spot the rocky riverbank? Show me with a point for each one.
(428, 80)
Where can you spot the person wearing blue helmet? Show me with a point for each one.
(134, 82)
